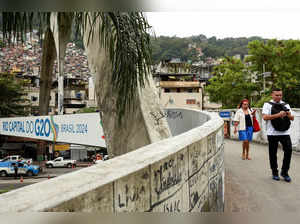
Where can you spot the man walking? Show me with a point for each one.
(15, 165)
(278, 115)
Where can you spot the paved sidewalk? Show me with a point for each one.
(248, 183)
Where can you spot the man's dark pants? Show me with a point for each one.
(16, 173)
(286, 143)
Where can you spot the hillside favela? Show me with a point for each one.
(110, 117)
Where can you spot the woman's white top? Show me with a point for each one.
(240, 117)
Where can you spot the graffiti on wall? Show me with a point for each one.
(157, 116)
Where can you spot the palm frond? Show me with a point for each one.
(125, 36)
(15, 25)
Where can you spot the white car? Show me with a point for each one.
(61, 162)
(16, 158)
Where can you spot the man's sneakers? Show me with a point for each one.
(286, 177)
(275, 177)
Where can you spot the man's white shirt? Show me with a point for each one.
(270, 129)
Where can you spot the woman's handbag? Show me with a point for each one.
(256, 126)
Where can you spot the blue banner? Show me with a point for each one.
(225, 114)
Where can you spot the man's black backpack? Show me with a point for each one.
(280, 124)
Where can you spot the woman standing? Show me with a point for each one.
(243, 122)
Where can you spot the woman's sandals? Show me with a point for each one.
(245, 156)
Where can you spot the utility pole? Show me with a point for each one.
(60, 77)
(265, 75)
(264, 88)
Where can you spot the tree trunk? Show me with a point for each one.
(62, 26)
(48, 57)
(138, 127)
(55, 41)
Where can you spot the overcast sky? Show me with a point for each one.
(227, 18)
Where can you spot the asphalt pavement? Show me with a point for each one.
(10, 183)
(248, 183)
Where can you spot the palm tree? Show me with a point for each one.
(119, 55)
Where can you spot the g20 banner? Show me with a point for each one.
(84, 129)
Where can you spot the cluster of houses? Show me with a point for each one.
(179, 84)
(22, 61)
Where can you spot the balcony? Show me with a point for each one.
(180, 84)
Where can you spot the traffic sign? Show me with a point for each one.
(224, 114)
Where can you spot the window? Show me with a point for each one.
(178, 90)
(167, 90)
(191, 101)
(34, 98)
(190, 90)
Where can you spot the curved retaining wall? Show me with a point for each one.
(180, 174)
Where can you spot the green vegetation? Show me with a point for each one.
(87, 110)
(2, 191)
(2, 44)
(164, 48)
(282, 59)
(231, 83)
(12, 101)
(232, 80)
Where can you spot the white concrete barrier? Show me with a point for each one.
(184, 173)
(261, 136)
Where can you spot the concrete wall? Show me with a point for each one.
(179, 100)
(184, 173)
(261, 136)
(182, 120)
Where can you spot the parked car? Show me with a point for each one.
(7, 169)
(16, 158)
(61, 162)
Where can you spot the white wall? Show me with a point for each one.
(178, 100)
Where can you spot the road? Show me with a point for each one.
(9, 183)
(248, 183)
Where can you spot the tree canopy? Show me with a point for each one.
(235, 80)
(12, 101)
(164, 47)
(282, 59)
(231, 83)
